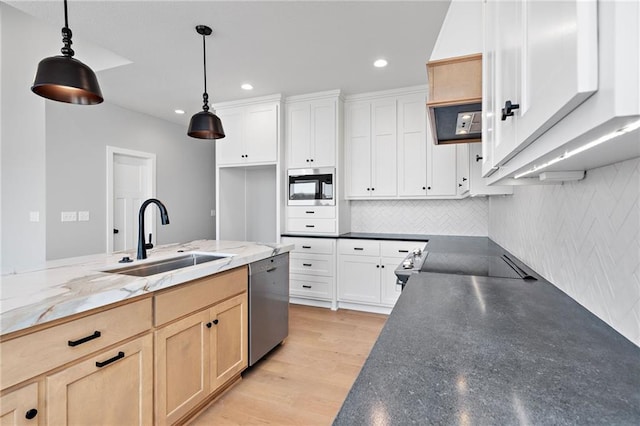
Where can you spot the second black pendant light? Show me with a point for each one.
(204, 124)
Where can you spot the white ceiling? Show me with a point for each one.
(288, 47)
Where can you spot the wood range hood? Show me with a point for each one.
(455, 99)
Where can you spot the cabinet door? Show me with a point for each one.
(560, 68)
(112, 388)
(228, 339)
(323, 131)
(384, 165)
(181, 367)
(477, 184)
(489, 83)
(510, 20)
(441, 173)
(261, 134)
(230, 149)
(359, 279)
(358, 143)
(412, 146)
(299, 135)
(20, 407)
(462, 168)
(390, 291)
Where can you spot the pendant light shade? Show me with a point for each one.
(204, 124)
(65, 79)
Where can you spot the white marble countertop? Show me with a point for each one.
(70, 286)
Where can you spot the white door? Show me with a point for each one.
(298, 135)
(131, 181)
(323, 128)
(359, 279)
(441, 173)
(261, 134)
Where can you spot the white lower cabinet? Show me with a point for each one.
(366, 278)
(312, 271)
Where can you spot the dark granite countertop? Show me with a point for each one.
(475, 350)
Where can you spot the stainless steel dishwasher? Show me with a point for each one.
(268, 305)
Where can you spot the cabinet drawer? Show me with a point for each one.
(323, 226)
(310, 286)
(198, 294)
(311, 264)
(312, 212)
(359, 247)
(27, 356)
(312, 245)
(399, 249)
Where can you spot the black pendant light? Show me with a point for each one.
(204, 124)
(65, 79)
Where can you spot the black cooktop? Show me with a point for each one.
(473, 264)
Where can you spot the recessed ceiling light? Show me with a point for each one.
(179, 111)
(246, 86)
(380, 63)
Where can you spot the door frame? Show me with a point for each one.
(112, 151)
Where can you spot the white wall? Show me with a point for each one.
(76, 139)
(22, 141)
(461, 31)
(584, 237)
(437, 217)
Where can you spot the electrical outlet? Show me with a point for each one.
(68, 216)
(83, 216)
(34, 216)
(213, 213)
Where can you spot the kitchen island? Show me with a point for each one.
(461, 349)
(71, 286)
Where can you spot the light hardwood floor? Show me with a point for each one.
(305, 380)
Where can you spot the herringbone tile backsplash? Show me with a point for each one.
(584, 237)
(439, 217)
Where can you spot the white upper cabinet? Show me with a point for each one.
(412, 146)
(441, 170)
(312, 131)
(251, 134)
(371, 149)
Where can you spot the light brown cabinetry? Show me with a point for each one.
(110, 388)
(198, 354)
(20, 407)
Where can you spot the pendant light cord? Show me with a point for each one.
(205, 95)
(66, 35)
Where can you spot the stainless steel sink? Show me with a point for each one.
(151, 268)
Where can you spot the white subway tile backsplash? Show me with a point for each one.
(439, 217)
(584, 237)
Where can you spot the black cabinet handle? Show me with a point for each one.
(464, 179)
(307, 160)
(382, 266)
(508, 109)
(306, 247)
(95, 335)
(208, 325)
(312, 160)
(358, 248)
(373, 189)
(424, 187)
(110, 360)
(309, 212)
(428, 187)
(310, 226)
(368, 189)
(403, 251)
(306, 264)
(377, 266)
(272, 269)
(31, 414)
(215, 321)
(478, 157)
(459, 185)
(115, 231)
(306, 286)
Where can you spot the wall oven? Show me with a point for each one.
(311, 187)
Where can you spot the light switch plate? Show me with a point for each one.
(34, 216)
(83, 216)
(68, 216)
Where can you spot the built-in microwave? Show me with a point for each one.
(311, 187)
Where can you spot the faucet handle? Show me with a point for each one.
(149, 245)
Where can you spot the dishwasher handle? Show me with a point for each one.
(273, 268)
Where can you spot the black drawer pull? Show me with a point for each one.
(310, 226)
(403, 251)
(215, 321)
(110, 360)
(209, 325)
(95, 335)
(306, 264)
(306, 247)
(31, 414)
(306, 286)
(310, 212)
(358, 248)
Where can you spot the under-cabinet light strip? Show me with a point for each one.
(629, 128)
